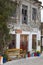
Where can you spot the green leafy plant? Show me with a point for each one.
(5, 56)
(38, 52)
(7, 9)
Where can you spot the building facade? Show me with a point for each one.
(25, 25)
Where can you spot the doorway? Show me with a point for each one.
(33, 41)
(24, 42)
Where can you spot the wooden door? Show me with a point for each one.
(24, 42)
(33, 41)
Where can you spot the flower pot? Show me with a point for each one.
(38, 54)
(35, 54)
(28, 54)
(32, 55)
(4, 60)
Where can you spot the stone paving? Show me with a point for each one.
(27, 61)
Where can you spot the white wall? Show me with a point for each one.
(29, 38)
(18, 41)
(30, 42)
(39, 35)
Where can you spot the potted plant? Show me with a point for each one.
(32, 55)
(38, 53)
(35, 53)
(4, 58)
(28, 54)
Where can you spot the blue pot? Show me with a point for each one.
(4, 60)
(38, 54)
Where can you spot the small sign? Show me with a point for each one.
(18, 31)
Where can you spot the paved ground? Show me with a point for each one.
(27, 61)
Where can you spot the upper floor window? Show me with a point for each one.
(34, 13)
(24, 14)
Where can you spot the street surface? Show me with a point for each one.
(27, 61)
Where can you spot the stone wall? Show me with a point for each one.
(31, 24)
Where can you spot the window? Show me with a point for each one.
(34, 13)
(24, 14)
(12, 43)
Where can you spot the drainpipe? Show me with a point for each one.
(41, 38)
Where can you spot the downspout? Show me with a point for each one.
(41, 38)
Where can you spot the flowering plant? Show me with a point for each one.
(38, 52)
